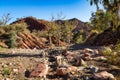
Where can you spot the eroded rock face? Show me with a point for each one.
(28, 41)
(104, 75)
(40, 70)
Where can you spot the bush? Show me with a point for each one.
(6, 71)
(107, 51)
(18, 27)
(79, 37)
(11, 41)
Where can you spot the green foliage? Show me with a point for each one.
(113, 56)
(61, 31)
(53, 32)
(40, 33)
(67, 34)
(79, 37)
(18, 27)
(117, 47)
(107, 51)
(6, 71)
(110, 18)
(12, 39)
(100, 21)
(9, 32)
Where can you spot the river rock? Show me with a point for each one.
(104, 75)
(40, 70)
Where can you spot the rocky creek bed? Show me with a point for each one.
(55, 64)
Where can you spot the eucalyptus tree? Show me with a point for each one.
(112, 11)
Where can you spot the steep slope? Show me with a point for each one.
(106, 38)
(29, 41)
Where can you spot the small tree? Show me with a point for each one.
(5, 19)
(112, 8)
(67, 34)
(55, 29)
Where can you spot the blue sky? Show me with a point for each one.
(43, 9)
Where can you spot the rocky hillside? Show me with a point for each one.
(108, 37)
(28, 41)
(33, 23)
(37, 24)
(79, 25)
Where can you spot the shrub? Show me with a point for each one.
(107, 51)
(6, 71)
(18, 27)
(79, 37)
(11, 41)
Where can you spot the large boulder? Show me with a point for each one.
(41, 70)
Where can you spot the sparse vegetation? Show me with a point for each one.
(36, 39)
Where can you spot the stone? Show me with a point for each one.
(69, 57)
(87, 50)
(41, 70)
(15, 70)
(87, 55)
(63, 70)
(10, 64)
(80, 62)
(69, 53)
(94, 69)
(96, 51)
(58, 60)
(80, 68)
(104, 75)
(21, 69)
(72, 69)
(87, 58)
(100, 58)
